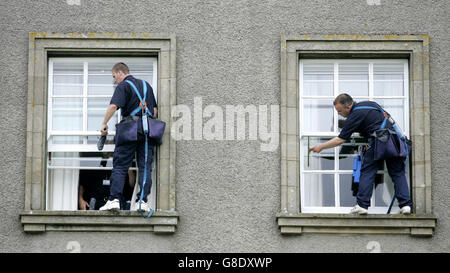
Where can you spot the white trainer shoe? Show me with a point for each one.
(358, 210)
(405, 210)
(144, 206)
(113, 205)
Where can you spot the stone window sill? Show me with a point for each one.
(129, 221)
(415, 225)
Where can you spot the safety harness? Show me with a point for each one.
(145, 111)
(357, 163)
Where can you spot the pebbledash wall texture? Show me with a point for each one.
(222, 195)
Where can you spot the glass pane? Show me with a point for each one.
(388, 79)
(82, 159)
(318, 79)
(319, 190)
(317, 161)
(345, 191)
(96, 114)
(318, 116)
(101, 79)
(384, 191)
(67, 140)
(68, 78)
(354, 79)
(67, 68)
(139, 67)
(67, 114)
(67, 89)
(396, 108)
(101, 89)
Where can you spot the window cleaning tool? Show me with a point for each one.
(101, 142)
(357, 163)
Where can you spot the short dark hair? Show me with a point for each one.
(344, 99)
(121, 67)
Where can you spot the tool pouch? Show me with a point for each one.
(126, 131)
(388, 144)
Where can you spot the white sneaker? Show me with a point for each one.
(144, 206)
(113, 205)
(358, 210)
(405, 210)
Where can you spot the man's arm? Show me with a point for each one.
(112, 108)
(83, 205)
(336, 141)
(155, 112)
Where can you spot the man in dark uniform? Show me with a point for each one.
(126, 99)
(365, 122)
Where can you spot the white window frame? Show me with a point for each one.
(85, 147)
(336, 91)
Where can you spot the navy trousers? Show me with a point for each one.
(396, 170)
(123, 156)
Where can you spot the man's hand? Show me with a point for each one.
(104, 129)
(83, 204)
(317, 149)
(336, 141)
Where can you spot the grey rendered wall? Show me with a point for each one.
(228, 53)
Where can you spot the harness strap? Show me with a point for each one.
(142, 100)
(397, 130)
(383, 125)
(145, 111)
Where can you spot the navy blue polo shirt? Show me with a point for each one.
(363, 121)
(126, 99)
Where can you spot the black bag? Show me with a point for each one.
(388, 144)
(126, 131)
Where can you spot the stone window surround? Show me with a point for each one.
(35, 218)
(290, 220)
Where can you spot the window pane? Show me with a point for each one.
(318, 79)
(100, 80)
(384, 191)
(354, 79)
(82, 159)
(319, 190)
(67, 78)
(318, 116)
(345, 191)
(96, 113)
(313, 161)
(67, 85)
(67, 140)
(68, 67)
(90, 170)
(395, 107)
(388, 79)
(67, 114)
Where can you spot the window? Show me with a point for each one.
(326, 177)
(62, 127)
(79, 91)
(314, 191)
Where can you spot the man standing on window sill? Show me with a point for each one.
(367, 121)
(126, 99)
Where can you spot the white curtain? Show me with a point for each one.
(63, 185)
